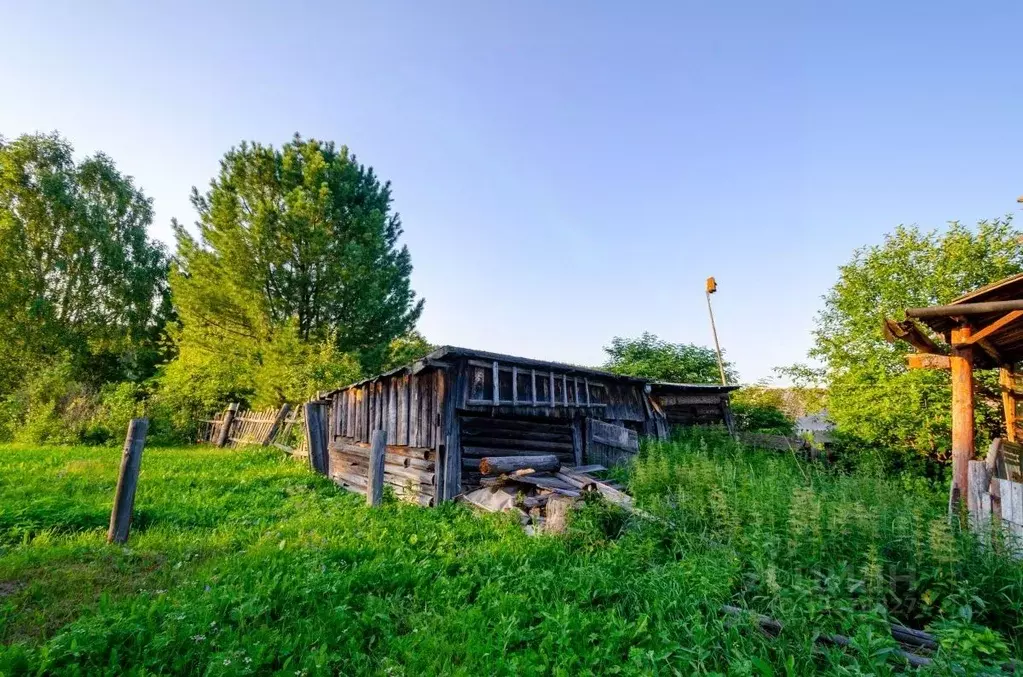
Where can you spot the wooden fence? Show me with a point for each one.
(234, 427)
(995, 493)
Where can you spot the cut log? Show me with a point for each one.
(558, 509)
(497, 465)
(581, 482)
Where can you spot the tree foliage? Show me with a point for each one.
(78, 274)
(296, 269)
(871, 393)
(650, 357)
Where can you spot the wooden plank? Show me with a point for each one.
(127, 481)
(990, 329)
(564, 389)
(414, 437)
(392, 411)
(497, 385)
(978, 497)
(375, 494)
(533, 379)
(577, 441)
(962, 412)
(515, 386)
(928, 361)
(615, 436)
(1012, 510)
(551, 376)
(315, 435)
(440, 443)
(275, 426)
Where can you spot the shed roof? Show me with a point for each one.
(665, 387)
(1008, 341)
(438, 356)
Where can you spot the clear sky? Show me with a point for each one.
(567, 171)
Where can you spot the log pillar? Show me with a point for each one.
(961, 363)
(1008, 382)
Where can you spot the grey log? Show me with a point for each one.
(127, 481)
(499, 465)
(375, 495)
(316, 436)
(225, 425)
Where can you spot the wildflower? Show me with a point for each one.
(227, 661)
(161, 592)
(199, 638)
(247, 660)
(213, 624)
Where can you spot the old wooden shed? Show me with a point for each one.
(447, 411)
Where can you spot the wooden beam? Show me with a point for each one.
(990, 350)
(928, 361)
(910, 332)
(962, 412)
(1005, 379)
(963, 309)
(1001, 322)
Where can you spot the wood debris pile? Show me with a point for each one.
(540, 490)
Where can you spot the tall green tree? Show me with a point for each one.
(79, 276)
(297, 246)
(650, 357)
(871, 392)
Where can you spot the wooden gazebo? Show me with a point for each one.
(981, 330)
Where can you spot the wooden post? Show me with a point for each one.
(961, 363)
(316, 437)
(451, 431)
(282, 415)
(225, 427)
(1007, 381)
(375, 494)
(127, 481)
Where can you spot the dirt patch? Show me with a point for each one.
(8, 588)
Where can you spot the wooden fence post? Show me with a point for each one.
(377, 454)
(225, 427)
(316, 436)
(276, 425)
(127, 481)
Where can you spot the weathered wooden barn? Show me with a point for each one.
(447, 411)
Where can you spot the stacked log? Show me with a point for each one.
(409, 471)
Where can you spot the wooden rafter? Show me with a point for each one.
(910, 332)
(1000, 323)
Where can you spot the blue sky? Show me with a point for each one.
(567, 171)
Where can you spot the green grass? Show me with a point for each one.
(243, 562)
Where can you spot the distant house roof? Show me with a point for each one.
(437, 357)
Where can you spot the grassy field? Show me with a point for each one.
(243, 562)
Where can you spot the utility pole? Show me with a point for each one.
(712, 286)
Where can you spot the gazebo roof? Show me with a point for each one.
(995, 313)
